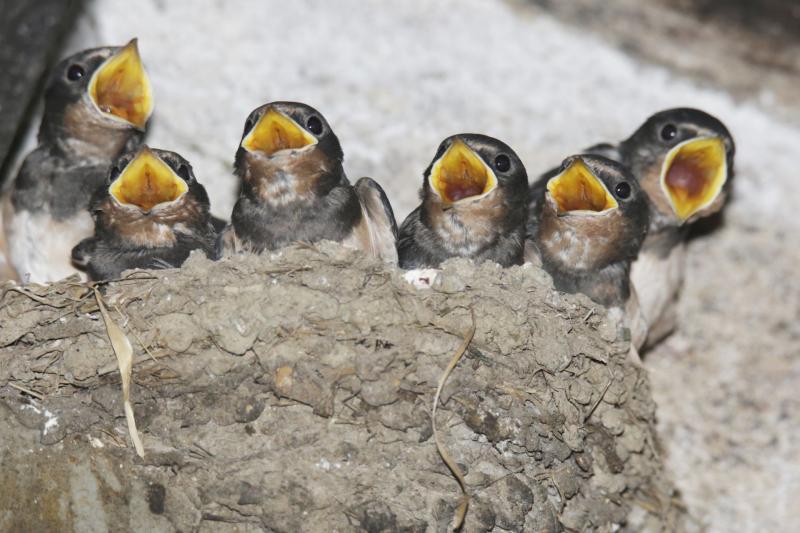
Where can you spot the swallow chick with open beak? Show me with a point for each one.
(474, 204)
(683, 159)
(293, 188)
(588, 220)
(151, 214)
(587, 224)
(97, 104)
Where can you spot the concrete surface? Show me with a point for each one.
(394, 79)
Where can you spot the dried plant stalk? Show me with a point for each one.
(124, 352)
(463, 504)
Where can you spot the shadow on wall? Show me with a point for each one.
(750, 48)
(31, 36)
(767, 17)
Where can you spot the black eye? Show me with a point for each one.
(314, 125)
(75, 72)
(183, 172)
(668, 132)
(623, 190)
(502, 163)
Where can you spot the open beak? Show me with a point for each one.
(275, 132)
(461, 174)
(146, 182)
(578, 191)
(693, 175)
(120, 87)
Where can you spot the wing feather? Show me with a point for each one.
(378, 227)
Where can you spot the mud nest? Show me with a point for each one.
(293, 392)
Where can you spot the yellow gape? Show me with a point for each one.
(146, 182)
(577, 190)
(693, 175)
(461, 174)
(275, 132)
(120, 87)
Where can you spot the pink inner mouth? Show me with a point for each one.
(455, 191)
(687, 175)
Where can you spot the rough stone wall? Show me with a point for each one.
(293, 392)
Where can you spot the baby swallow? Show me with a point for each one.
(683, 159)
(588, 220)
(293, 188)
(150, 214)
(474, 202)
(587, 223)
(97, 104)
